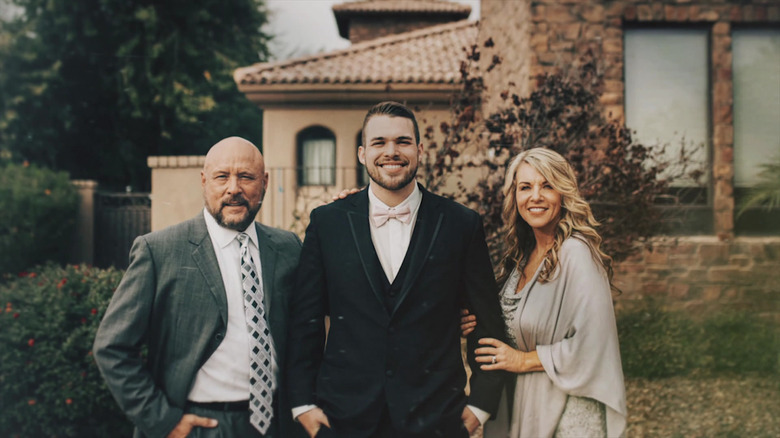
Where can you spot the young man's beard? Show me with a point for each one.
(389, 184)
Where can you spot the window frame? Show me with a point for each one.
(315, 132)
(687, 210)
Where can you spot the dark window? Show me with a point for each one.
(316, 156)
(756, 64)
(667, 105)
(362, 174)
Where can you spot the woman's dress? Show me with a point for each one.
(570, 322)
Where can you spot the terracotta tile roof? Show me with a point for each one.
(419, 6)
(426, 56)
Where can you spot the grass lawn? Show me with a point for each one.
(726, 406)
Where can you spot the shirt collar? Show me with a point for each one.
(224, 236)
(413, 200)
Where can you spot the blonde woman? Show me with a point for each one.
(557, 306)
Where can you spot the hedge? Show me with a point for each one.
(50, 384)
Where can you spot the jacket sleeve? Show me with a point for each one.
(481, 294)
(308, 308)
(119, 341)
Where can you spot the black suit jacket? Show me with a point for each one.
(172, 299)
(406, 358)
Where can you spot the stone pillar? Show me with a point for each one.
(82, 249)
(723, 131)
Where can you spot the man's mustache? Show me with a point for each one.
(236, 200)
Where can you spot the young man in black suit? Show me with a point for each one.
(391, 265)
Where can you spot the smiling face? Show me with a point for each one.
(537, 202)
(234, 182)
(390, 155)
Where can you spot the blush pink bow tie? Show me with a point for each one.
(381, 214)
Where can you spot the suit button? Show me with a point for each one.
(389, 373)
(219, 336)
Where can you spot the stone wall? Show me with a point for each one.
(704, 273)
(506, 24)
(541, 36)
(558, 32)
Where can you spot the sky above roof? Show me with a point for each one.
(306, 27)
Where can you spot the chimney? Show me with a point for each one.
(368, 19)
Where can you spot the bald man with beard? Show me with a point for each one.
(184, 297)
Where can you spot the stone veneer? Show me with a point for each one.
(558, 31)
(510, 36)
(535, 37)
(704, 273)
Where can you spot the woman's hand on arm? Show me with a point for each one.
(496, 355)
(467, 322)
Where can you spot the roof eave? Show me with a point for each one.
(283, 95)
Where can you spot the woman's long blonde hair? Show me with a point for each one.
(575, 216)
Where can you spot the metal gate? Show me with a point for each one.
(119, 219)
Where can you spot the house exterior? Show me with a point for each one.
(700, 71)
(313, 107)
(707, 70)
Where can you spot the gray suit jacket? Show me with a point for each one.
(172, 301)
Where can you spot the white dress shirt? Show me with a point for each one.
(391, 241)
(225, 375)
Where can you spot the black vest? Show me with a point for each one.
(392, 292)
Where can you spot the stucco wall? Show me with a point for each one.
(82, 249)
(287, 205)
(369, 28)
(176, 192)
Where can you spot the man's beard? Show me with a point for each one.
(242, 224)
(389, 183)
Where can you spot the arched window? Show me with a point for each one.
(316, 157)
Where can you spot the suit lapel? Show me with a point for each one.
(429, 220)
(204, 257)
(267, 265)
(361, 233)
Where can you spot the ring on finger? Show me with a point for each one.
(493, 361)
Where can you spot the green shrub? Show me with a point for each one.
(38, 210)
(739, 343)
(50, 384)
(655, 343)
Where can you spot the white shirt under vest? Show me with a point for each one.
(391, 240)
